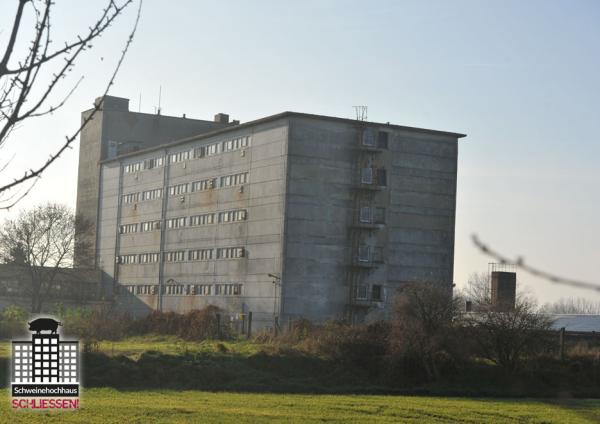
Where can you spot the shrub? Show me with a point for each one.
(506, 338)
(12, 321)
(423, 340)
(198, 324)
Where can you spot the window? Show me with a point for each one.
(174, 289)
(381, 177)
(382, 139)
(200, 254)
(368, 138)
(221, 147)
(366, 214)
(178, 256)
(199, 152)
(132, 167)
(204, 219)
(376, 293)
(230, 252)
(379, 215)
(203, 184)
(366, 176)
(213, 149)
(145, 289)
(201, 289)
(149, 226)
(148, 258)
(364, 253)
(228, 289)
(361, 292)
(152, 194)
(178, 189)
(233, 180)
(128, 228)
(232, 216)
(127, 289)
(180, 156)
(176, 222)
(128, 259)
(154, 162)
(131, 197)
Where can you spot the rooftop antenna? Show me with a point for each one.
(361, 112)
(159, 97)
(140, 103)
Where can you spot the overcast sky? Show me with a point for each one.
(521, 79)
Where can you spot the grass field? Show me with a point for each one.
(111, 406)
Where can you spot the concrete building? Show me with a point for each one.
(115, 130)
(292, 215)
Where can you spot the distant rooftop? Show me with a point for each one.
(576, 323)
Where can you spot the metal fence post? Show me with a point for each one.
(249, 324)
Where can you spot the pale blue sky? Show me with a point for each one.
(521, 78)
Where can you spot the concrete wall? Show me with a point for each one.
(260, 234)
(322, 235)
(127, 131)
(302, 200)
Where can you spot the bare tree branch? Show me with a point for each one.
(520, 263)
(17, 82)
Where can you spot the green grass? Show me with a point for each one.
(111, 406)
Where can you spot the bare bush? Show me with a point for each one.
(423, 327)
(507, 337)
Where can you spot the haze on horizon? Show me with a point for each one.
(521, 79)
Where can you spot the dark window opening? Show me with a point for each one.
(376, 293)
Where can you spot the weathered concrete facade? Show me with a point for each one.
(114, 130)
(343, 212)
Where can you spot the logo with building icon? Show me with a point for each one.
(45, 370)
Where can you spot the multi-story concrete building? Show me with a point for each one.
(292, 215)
(115, 130)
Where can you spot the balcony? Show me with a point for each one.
(368, 256)
(371, 218)
(373, 178)
(374, 141)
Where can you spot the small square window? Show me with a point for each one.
(54, 341)
(46, 341)
(17, 347)
(38, 341)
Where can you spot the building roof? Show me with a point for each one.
(576, 323)
(287, 114)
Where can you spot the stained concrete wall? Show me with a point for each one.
(260, 234)
(302, 202)
(417, 239)
(129, 131)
